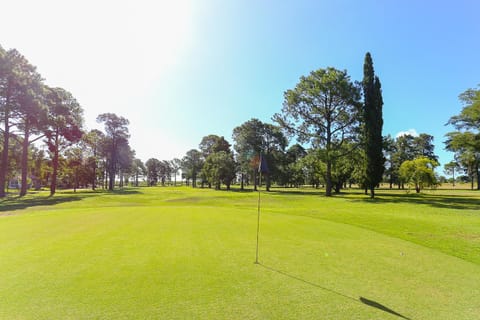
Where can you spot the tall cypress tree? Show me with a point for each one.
(372, 127)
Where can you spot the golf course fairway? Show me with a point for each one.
(183, 253)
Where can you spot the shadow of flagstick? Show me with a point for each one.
(361, 300)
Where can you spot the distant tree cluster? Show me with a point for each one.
(465, 142)
(43, 142)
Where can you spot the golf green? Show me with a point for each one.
(181, 253)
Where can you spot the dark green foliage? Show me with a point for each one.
(372, 126)
(192, 164)
(323, 109)
(219, 168)
(403, 148)
(253, 138)
(213, 143)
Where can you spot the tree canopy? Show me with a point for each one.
(324, 110)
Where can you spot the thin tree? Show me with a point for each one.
(32, 118)
(116, 134)
(372, 126)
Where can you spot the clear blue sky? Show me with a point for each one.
(183, 69)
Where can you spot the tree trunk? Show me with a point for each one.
(267, 181)
(478, 176)
(338, 187)
(53, 185)
(120, 174)
(255, 182)
(372, 192)
(241, 181)
(328, 178)
(75, 181)
(111, 179)
(23, 188)
(4, 160)
(417, 188)
(94, 179)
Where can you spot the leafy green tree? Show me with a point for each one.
(153, 171)
(323, 109)
(92, 141)
(192, 164)
(313, 168)
(423, 146)
(38, 168)
(450, 169)
(138, 169)
(253, 138)
(165, 171)
(292, 172)
(466, 141)
(8, 81)
(32, 117)
(219, 168)
(125, 156)
(389, 149)
(65, 120)
(248, 145)
(419, 172)
(408, 147)
(348, 169)
(466, 146)
(176, 165)
(74, 158)
(20, 85)
(117, 135)
(213, 143)
(372, 126)
(469, 117)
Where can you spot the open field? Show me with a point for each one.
(180, 253)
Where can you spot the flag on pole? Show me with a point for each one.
(262, 165)
(262, 169)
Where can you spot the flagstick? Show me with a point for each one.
(258, 219)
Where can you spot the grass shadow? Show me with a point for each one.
(19, 203)
(298, 192)
(35, 199)
(122, 191)
(361, 300)
(438, 201)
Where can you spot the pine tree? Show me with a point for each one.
(372, 127)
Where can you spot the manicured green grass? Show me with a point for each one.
(180, 253)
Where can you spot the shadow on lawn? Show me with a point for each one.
(19, 203)
(437, 201)
(434, 200)
(361, 300)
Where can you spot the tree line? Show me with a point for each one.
(42, 137)
(325, 111)
(336, 122)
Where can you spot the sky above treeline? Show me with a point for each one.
(180, 70)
